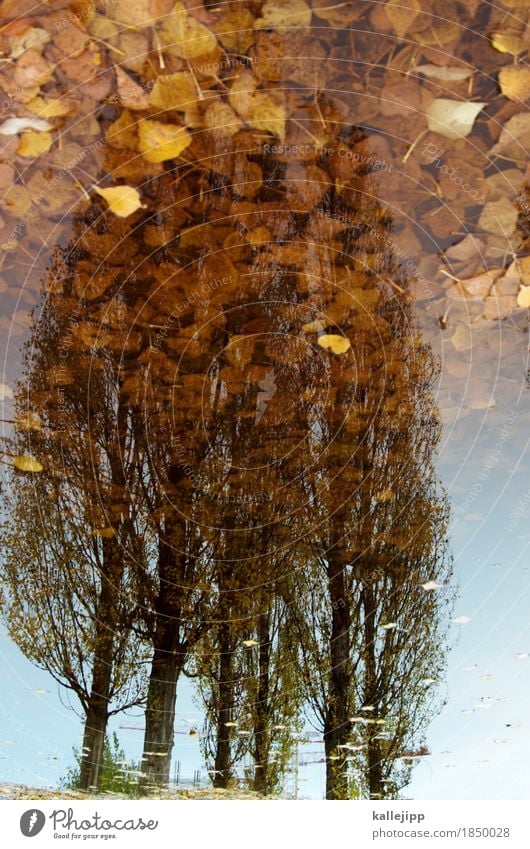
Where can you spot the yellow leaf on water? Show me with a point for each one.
(453, 119)
(506, 42)
(158, 142)
(514, 81)
(122, 200)
(288, 14)
(234, 30)
(27, 463)
(523, 298)
(49, 107)
(33, 143)
(336, 344)
(313, 326)
(174, 91)
(266, 114)
(185, 36)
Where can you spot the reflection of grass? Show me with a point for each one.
(119, 780)
(117, 774)
(18, 791)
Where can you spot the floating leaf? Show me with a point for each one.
(266, 114)
(49, 107)
(174, 91)
(5, 391)
(132, 95)
(514, 138)
(442, 72)
(461, 338)
(431, 585)
(122, 200)
(13, 126)
(402, 14)
(289, 14)
(499, 217)
(506, 42)
(514, 81)
(313, 326)
(31, 37)
(133, 13)
(523, 297)
(479, 286)
(234, 30)
(158, 142)
(250, 642)
(388, 626)
(185, 36)
(32, 144)
(336, 344)
(27, 463)
(453, 119)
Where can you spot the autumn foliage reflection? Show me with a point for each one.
(238, 437)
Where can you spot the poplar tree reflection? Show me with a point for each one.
(269, 473)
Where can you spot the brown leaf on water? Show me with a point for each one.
(132, 95)
(133, 13)
(515, 138)
(402, 14)
(499, 217)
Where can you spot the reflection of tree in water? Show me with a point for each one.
(305, 529)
